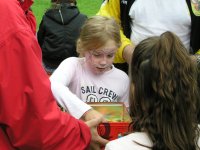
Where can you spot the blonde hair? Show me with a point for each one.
(96, 31)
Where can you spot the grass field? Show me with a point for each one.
(88, 7)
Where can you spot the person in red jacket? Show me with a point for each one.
(29, 116)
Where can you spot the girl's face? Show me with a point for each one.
(100, 60)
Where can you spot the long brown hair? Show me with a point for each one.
(163, 93)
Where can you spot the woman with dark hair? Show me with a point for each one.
(163, 97)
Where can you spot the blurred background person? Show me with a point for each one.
(145, 18)
(58, 32)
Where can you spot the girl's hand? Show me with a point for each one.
(92, 114)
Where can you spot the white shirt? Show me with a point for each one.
(153, 17)
(129, 142)
(133, 141)
(75, 82)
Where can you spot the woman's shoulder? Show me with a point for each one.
(137, 140)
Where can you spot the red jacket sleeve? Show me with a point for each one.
(28, 112)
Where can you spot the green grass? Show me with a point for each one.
(88, 7)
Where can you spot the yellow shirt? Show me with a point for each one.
(112, 9)
(198, 52)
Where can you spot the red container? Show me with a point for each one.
(113, 130)
(118, 120)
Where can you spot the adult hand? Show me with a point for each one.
(97, 142)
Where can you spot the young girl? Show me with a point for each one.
(163, 97)
(92, 78)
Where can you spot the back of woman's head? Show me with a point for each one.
(57, 4)
(96, 32)
(163, 92)
(63, 1)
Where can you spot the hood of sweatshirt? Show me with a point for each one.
(64, 14)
